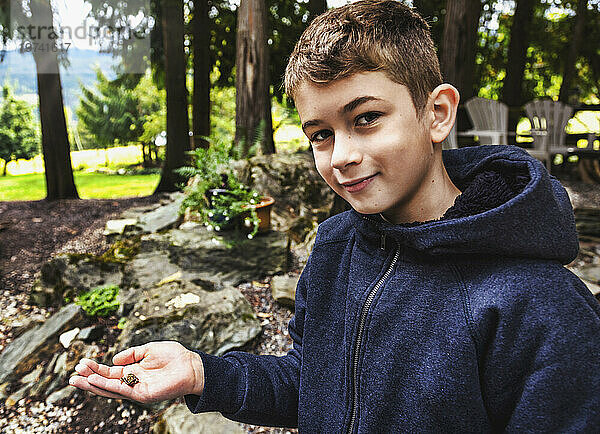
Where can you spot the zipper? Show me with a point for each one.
(361, 330)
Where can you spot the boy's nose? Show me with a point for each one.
(345, 152)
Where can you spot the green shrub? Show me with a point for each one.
(100, 301)
(235, 209)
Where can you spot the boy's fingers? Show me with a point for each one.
(83, 370)
(100, 369)
(83, 384)
(110, 385)
(130, 355)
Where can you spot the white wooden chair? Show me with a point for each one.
(548, 121)
(490, 121)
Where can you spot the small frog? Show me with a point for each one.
(130, 380)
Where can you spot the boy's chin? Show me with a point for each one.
(367, 209)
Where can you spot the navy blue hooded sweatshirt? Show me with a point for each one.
(464, 324)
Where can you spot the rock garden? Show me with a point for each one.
(165, 272)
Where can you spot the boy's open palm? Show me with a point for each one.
(165, 370)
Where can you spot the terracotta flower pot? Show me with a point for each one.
(263, 212)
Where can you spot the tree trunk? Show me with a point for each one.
(178, 138)
(201, 97)
(60, 183)
(253, 97)
(517, 51)
(315, 8)
(520, 36)
(145, 164)
(572, 54)
(459, 44)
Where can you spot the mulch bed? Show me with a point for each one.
(31, 231)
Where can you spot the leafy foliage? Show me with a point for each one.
(18, 129)
(222, 117)
(121, 111)
(100, 301)
(215, 195)
(287, 20)
(117, 14)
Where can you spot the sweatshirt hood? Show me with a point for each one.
(509, 206)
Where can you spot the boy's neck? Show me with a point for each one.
(436, 194)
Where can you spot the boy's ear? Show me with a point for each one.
(442, 106)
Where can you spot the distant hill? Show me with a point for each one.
(19, 70)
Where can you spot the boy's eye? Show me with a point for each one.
(319, 136)
(366, 118)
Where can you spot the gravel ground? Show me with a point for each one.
(86, 413)
(32, 232)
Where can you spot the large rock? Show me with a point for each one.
(119, 226)
(301, 196)
(164, 217)
(72, 274)
(178, 420)
(61, 396)
(283, 289)
(216, 256)
(147, 219)
(38, 344)
(291, 179)
(192, 314)
(56, 374)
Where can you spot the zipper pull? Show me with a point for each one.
(382, 242)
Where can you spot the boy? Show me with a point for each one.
(439, 302)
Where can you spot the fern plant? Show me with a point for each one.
(100, 301)
(216, 196)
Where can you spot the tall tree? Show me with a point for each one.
(178, 139)
(201, 60)
(569, 67)
(520, 35)
(433, 11)
(459, 44)
(55, 139)
(253, 122)
(111, 112)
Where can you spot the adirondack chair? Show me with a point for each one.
(548, 121)
(489, 119)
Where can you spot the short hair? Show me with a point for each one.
(367, 35)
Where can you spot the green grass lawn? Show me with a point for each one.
(89, 186)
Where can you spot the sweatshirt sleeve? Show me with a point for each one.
(540, 360)
(260, 390)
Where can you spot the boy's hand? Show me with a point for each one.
(165, 370)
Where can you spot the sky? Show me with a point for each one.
(72, 13)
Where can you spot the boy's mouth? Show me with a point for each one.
(357, 185)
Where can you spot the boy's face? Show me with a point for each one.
(369, 145)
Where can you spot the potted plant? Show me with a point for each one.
(218, 199)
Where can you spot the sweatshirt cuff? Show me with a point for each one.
(223, 390)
